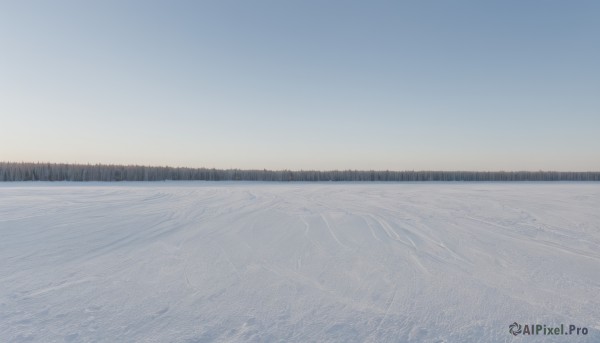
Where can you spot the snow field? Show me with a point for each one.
(297, 262)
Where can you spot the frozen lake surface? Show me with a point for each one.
(297, 262)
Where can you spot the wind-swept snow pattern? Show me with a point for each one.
(321, 262)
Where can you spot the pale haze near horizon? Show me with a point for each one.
(465, 85)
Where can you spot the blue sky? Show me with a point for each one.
(505, 85)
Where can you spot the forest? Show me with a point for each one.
(23, 171)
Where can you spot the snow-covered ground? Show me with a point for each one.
(340, 262)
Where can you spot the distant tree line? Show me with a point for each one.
(11, 171)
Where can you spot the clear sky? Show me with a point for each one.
(477, 85)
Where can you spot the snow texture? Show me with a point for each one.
(320, 262)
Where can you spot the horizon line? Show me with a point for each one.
(297, 170)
